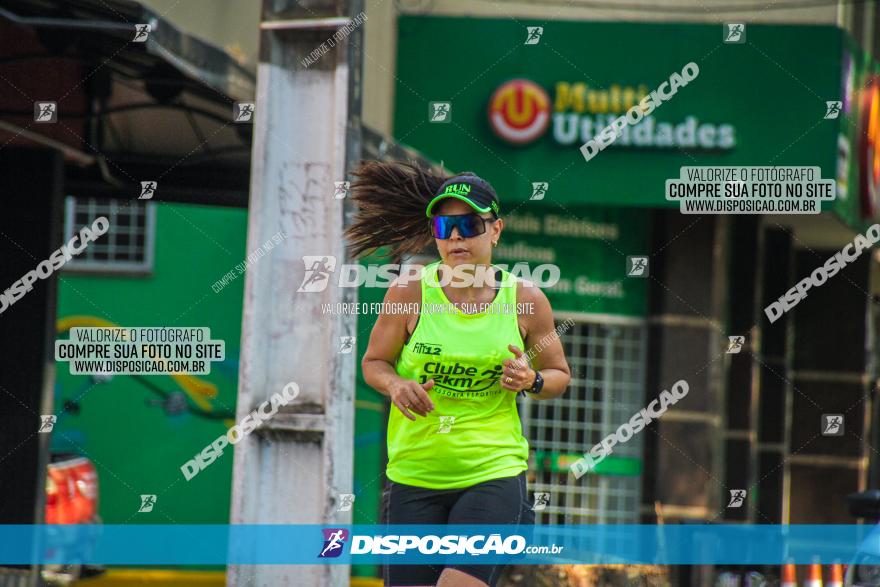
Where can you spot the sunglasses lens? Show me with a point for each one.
(468, 225)
(471, 225)
(441, 226)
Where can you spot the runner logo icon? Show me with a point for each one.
(334, 541)
(317, 275)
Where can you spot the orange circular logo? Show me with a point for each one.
(519, 111)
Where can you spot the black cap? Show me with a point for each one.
(467, 187)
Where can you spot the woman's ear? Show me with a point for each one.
(497, 226)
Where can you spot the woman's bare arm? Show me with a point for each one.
(386, 340)
(543, 342)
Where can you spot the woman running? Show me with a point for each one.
(456, 452)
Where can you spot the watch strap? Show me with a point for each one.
(536, 386)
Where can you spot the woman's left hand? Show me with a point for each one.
(517, 374)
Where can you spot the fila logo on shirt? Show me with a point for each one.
(426, 348)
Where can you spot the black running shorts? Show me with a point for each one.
(497, 501)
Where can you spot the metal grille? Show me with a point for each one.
(127, 246)
(607, 387)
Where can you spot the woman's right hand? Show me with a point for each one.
(409, 395)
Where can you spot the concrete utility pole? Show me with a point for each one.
(307, 130)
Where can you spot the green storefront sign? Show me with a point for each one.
(520, 112)
(589, 245)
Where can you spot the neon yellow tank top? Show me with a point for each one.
(474, 433)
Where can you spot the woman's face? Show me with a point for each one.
(457, 250)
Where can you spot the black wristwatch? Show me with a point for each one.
(536, 386)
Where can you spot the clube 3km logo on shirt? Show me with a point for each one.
(453, 375)
(520, 112)
(461, 378)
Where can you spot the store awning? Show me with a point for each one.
(160, 109)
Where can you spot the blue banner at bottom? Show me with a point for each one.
(408, 544)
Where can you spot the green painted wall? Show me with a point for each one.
(137, 447)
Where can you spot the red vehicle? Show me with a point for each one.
(71, 490)
(71, 498)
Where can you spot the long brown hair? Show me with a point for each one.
(391, 198)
